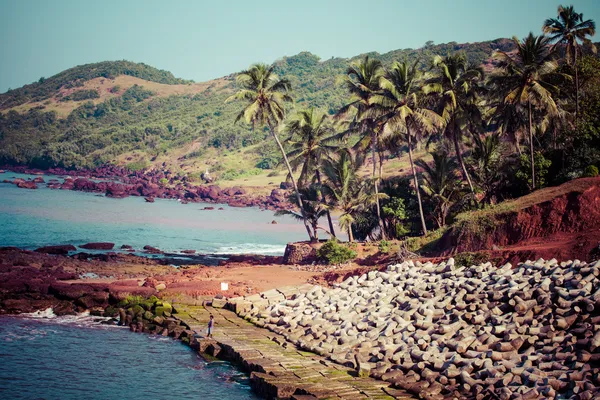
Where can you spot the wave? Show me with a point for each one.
(81, 319)
(41, 314)
(252, 248)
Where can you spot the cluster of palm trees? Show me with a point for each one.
(396, 108)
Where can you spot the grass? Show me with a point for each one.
(424, 244)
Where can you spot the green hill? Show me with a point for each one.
(134, 114)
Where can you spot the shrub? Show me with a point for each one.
(138, 165)
(591, 171)
(468, 259)
(333, 252)
(384, 246)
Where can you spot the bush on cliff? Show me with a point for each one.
(333, 252)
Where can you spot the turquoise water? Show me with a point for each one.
(34, 218)
(70, 358)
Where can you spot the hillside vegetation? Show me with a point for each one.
(135, 114)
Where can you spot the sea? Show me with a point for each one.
(44, 357)
(75, 357)
(33, 218)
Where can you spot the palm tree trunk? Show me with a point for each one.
(376, 183)
(460, 158)
(331, 230)
(531, 147)
(414, 172)
(289, 168)
(350, 236)
(576, 90)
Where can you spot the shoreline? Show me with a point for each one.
(151, 185)
(431, 321)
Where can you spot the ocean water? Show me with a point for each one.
(34, 218)
(73, 358)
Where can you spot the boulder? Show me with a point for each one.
(60, 249)
(98, 246)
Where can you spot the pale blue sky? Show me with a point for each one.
(201, 40)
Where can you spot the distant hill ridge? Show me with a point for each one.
(76, 76)
(131, 113)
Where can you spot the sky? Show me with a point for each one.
(202, 40)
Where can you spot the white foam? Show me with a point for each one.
(252, 248)
(45, 314)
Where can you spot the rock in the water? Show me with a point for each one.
(98, 246)
(60, 249)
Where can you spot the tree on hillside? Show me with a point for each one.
(527, 81)
(362, 81)
(569, 29)
(454, 87)
(441, 184)
(266, 95)
(402, 115)
(311, 140)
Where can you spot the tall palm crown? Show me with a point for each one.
(526, 81)
(311, 139)
(569, 29)
(454, 89)
(402, 115)
(265, 94)
(362, 81)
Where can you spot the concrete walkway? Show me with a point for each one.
(278, 369)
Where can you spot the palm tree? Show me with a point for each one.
(569, 29)
(349, 194)
(523, 81)
(362, 81)
(265, 95)
(455, 86)
(399, 109)
(312, 206)
(487, 162)
(312, 139)
(441, 184)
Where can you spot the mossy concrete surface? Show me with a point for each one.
(279, 369)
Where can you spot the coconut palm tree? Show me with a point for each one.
(313, 208)
(487, 161)
(311, 140)
(362, 81)
(441, 184)
(455, 88)
(265, 96)
(569, 29)
(348, 193)
(401, 114)
(524, 81)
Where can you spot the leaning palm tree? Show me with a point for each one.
(313, 208)
(441, 184)
(362, 81)
(402, 115)
(524, 81)
(266, 95)
(569, 29)
(311, 140)
(455, 86)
